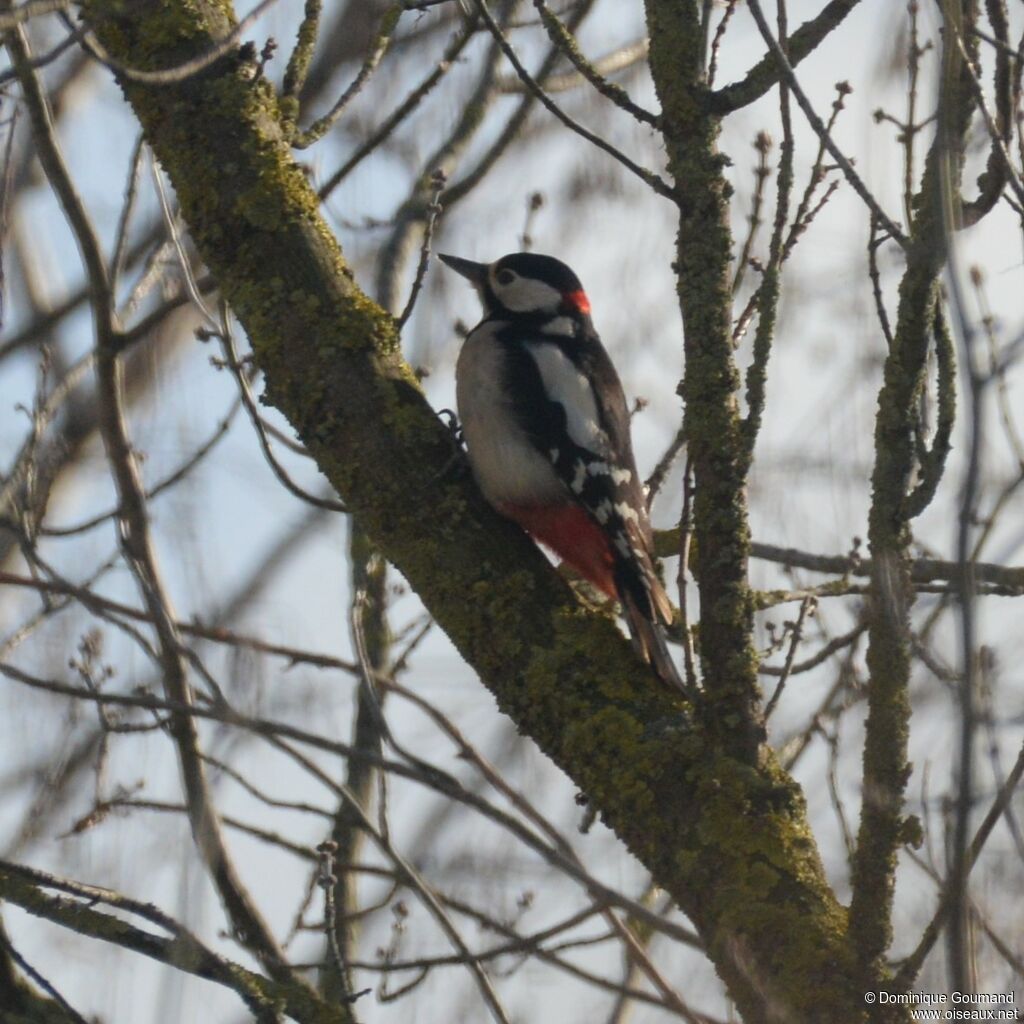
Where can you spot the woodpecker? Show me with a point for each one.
(545, 421)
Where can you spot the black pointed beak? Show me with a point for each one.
(475, 273)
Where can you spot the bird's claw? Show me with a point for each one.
(454, 428)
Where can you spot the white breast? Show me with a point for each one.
(506, 466)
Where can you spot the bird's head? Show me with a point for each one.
(524, 283)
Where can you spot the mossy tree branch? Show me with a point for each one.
(893, 504)
(714, 429)
(266, 999)
(702, 805)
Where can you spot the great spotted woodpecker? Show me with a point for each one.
(547, 428)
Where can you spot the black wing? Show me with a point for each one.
(572, 408)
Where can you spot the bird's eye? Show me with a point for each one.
(504, 277)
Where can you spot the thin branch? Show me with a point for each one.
(76, 911)
(910, 967)
(434, 779)
(820, 657)
(786, 71)
(652, 180)
(179, 247)
(619, 59)
(215, 634)
(768, 292)
(516, 121)
(875, 242)
(922, 570)
(763, 144)
(320, 127)
(407, 874)
(767, 72)
(933, 460)
(227, 340)
(654, 482)
(135, 534)
(685, 538)
(302, 56)
(403, 110)
(372, 640)
(566, 42)
(172, 478)
(716, 42)
(124, 221)
(439, 180)
(794, 642)
(999, 170)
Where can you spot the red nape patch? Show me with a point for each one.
(577, 301)
(573, 536)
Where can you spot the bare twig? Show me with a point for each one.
(786, 70)
(320, 127)
(910, 967)
(227, 340)
(654, 181)
(766, 73)
(716, 42)
(685, 537)
(439, 180)
(653, 483)
(402, 111)
(215, 634)
(794, 642)
(135, 534)
(922, 570)
(567, 43)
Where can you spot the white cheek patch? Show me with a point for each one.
(527, 295)
(564, 384)
(560, 327)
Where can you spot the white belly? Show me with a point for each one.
(506, 466)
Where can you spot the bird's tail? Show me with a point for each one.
(649, 640)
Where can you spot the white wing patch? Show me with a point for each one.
(626, 512)
(564, 384)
